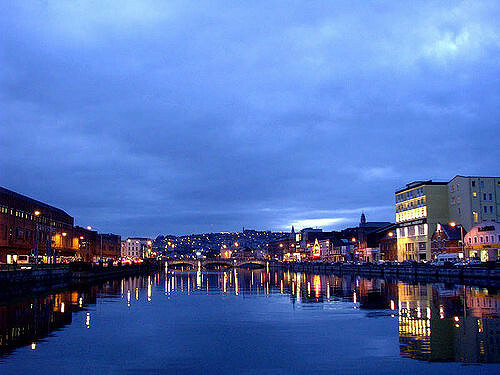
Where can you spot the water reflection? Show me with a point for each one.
(435, 322)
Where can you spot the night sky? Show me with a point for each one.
(148, 117)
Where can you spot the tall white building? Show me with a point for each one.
(136, 247)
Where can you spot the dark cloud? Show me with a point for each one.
(147, 117)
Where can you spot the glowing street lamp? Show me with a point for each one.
(37, 213)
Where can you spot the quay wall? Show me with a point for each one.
(17, 281)
(475, 275)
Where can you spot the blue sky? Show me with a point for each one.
(148, 117)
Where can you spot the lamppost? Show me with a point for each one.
(37, 214)
(453, 224)
(100, 235)
(63, 234)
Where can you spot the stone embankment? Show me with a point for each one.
(484, 274)
(30, 279)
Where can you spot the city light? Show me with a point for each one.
(37, 213)
(89, 227)
(453, 224)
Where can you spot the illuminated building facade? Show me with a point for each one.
(26, 223)
(136, 247)
(474, 200)
(419, 207)
(464, 201)
(483, 241)
(447, 239)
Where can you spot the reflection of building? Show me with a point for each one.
(483, 241)
(434, 324)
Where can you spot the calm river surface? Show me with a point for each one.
(253, 322)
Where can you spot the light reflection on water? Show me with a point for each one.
(428, 322)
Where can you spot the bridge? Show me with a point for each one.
(216, 262)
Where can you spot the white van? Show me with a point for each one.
(441, 259)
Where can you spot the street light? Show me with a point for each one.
(453, 225)
(37, 226)
(89, 227)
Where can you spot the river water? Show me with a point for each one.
(253, 322)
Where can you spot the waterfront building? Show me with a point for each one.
(27, 224)
(386, 238)
(473, 200)
(464, 201)
(136, 247)
(109, 245)
(447, 239)
(419, 207)
(367, 239)
(483, 241)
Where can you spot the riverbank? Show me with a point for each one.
(30, 280)
(481, 275)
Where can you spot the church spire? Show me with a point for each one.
(363, 220)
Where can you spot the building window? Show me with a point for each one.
(473, 183)
(486, 238)
(476, 216)
(474, 194)
(482, 184)
(481, 239)
(491, 196)
(492, 238)
(484, 196)
(491, 209)
(475, 239)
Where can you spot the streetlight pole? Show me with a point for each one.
(100, 235)
(37, 226)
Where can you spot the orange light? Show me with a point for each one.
(353, 239)
(37, 213)
(453, 224)
(64, 234)
(390, 234)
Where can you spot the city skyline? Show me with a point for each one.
(152, 118)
